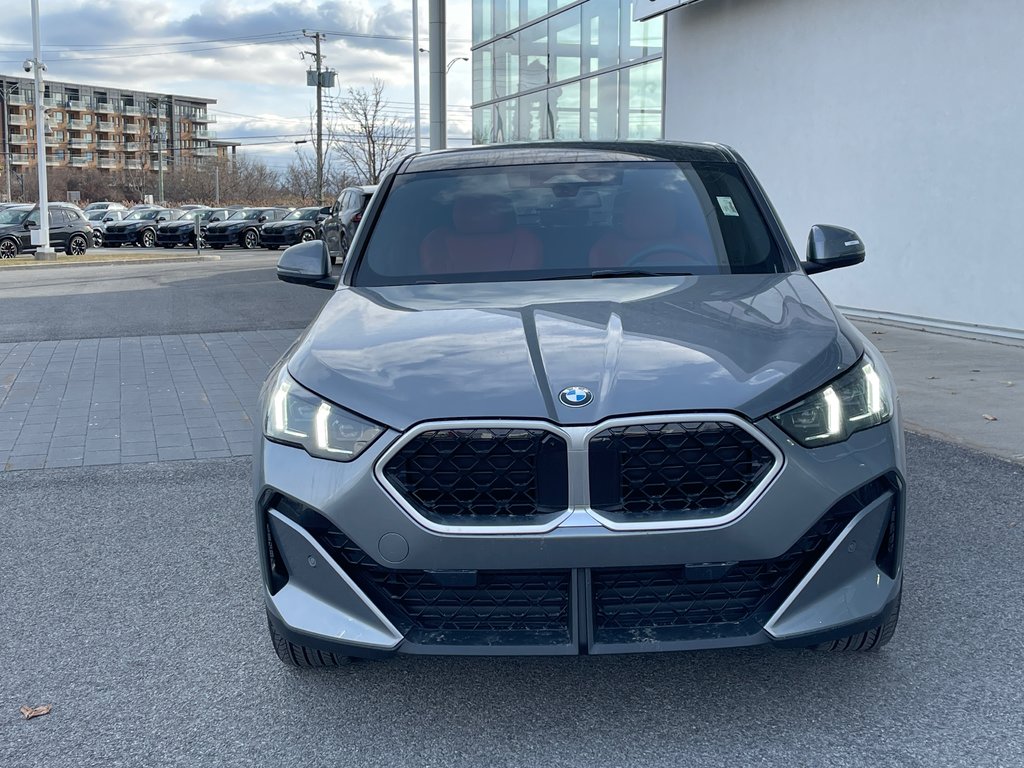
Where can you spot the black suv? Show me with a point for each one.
(69, 230)
(182, 231)
(299, 226)
(139, 227)
(340, 227)
(243, 228)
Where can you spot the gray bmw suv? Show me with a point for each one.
(575, 398)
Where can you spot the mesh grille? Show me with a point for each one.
(674, 471)
(710, 599)
(461, 607)
(483, 476)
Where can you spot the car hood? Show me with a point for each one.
(135, 224)
(229, 225)
(741, 343)
(288, 224)
(177, 225)
(12, 229)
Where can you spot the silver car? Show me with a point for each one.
(573, 398)
(99, 218)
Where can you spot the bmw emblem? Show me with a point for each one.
(575, 397)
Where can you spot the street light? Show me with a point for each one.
(451, 63)
(43, 250)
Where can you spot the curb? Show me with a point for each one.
(107, 262)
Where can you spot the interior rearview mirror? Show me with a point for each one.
(830, 247)
(307, 263)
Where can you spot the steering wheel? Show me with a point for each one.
(638, 258)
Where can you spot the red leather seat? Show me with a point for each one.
(483, 237)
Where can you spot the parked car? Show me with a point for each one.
(182, 231)
(243, 228)
(339, 228)
(99, 218)
(299, 226)
(69, 230)
(103, 205)
(138, 227)
(577, 398)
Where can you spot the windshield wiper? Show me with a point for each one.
(603, 273)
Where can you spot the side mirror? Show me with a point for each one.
(831, 247)
(307, 263)
(325, 211)
(214, 218)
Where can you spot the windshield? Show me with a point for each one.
(96, 214)
(142, 215)
(249, 215)
(568, 220)
(303, 214)
(13, 215)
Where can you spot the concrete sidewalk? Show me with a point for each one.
(965, 389)
(157, 398)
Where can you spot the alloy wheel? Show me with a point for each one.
(148, 238)
(77, 245)
(8, 249)
(252, 239)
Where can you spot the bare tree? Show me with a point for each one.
(365, 136)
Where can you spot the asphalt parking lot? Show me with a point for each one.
(131, 604)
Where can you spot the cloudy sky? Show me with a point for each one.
(246, 55)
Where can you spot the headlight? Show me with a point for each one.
(858, 399)
(298, 417)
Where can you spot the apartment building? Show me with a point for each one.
(106, 128)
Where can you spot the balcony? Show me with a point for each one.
(108, 146)
(204, 119)
(79, 124)
(80, 162)
(55, 162)
(105, 126)
(202, 133)
(107, 163)
(130, 109)
(205, 152)
(77, 105)
(77, 141)
(105, 107)
(20, 138)
(18, 99)
(53, 101)
(132, 146)
(132, 128)
(133, 165)
(17, 120)
(19, 158)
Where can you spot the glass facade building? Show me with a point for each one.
(565, 69)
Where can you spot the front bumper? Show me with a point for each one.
(174, 237)
(218, 237)
(816, 557)
(121, 238)
(280, 238)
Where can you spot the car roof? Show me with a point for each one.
(542, 152)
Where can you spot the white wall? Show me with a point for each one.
(903, 120)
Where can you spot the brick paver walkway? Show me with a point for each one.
(152, 398)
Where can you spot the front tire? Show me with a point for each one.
(97, 239)
(307, 235)
(148, 238)
(8, 249)
(295, 655)
(251, 239)
(872, 640)
(77, 246)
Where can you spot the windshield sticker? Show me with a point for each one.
(727, 206)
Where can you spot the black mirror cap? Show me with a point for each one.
(830, 247)
(307, 263)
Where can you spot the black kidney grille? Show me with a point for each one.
(484, 476)
(456, 607)
(709, 599)
(651, 472)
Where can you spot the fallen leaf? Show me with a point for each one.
(29, 712)
(878, 333)
(931, 378)
(1008, 383)
(975, 370)
(988, 417)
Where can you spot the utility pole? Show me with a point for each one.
(216, 184)
(44, 251)
(316, 37)
(416, 70)
(438, 87)
(5, 93)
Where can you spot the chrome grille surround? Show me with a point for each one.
(580, 512)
